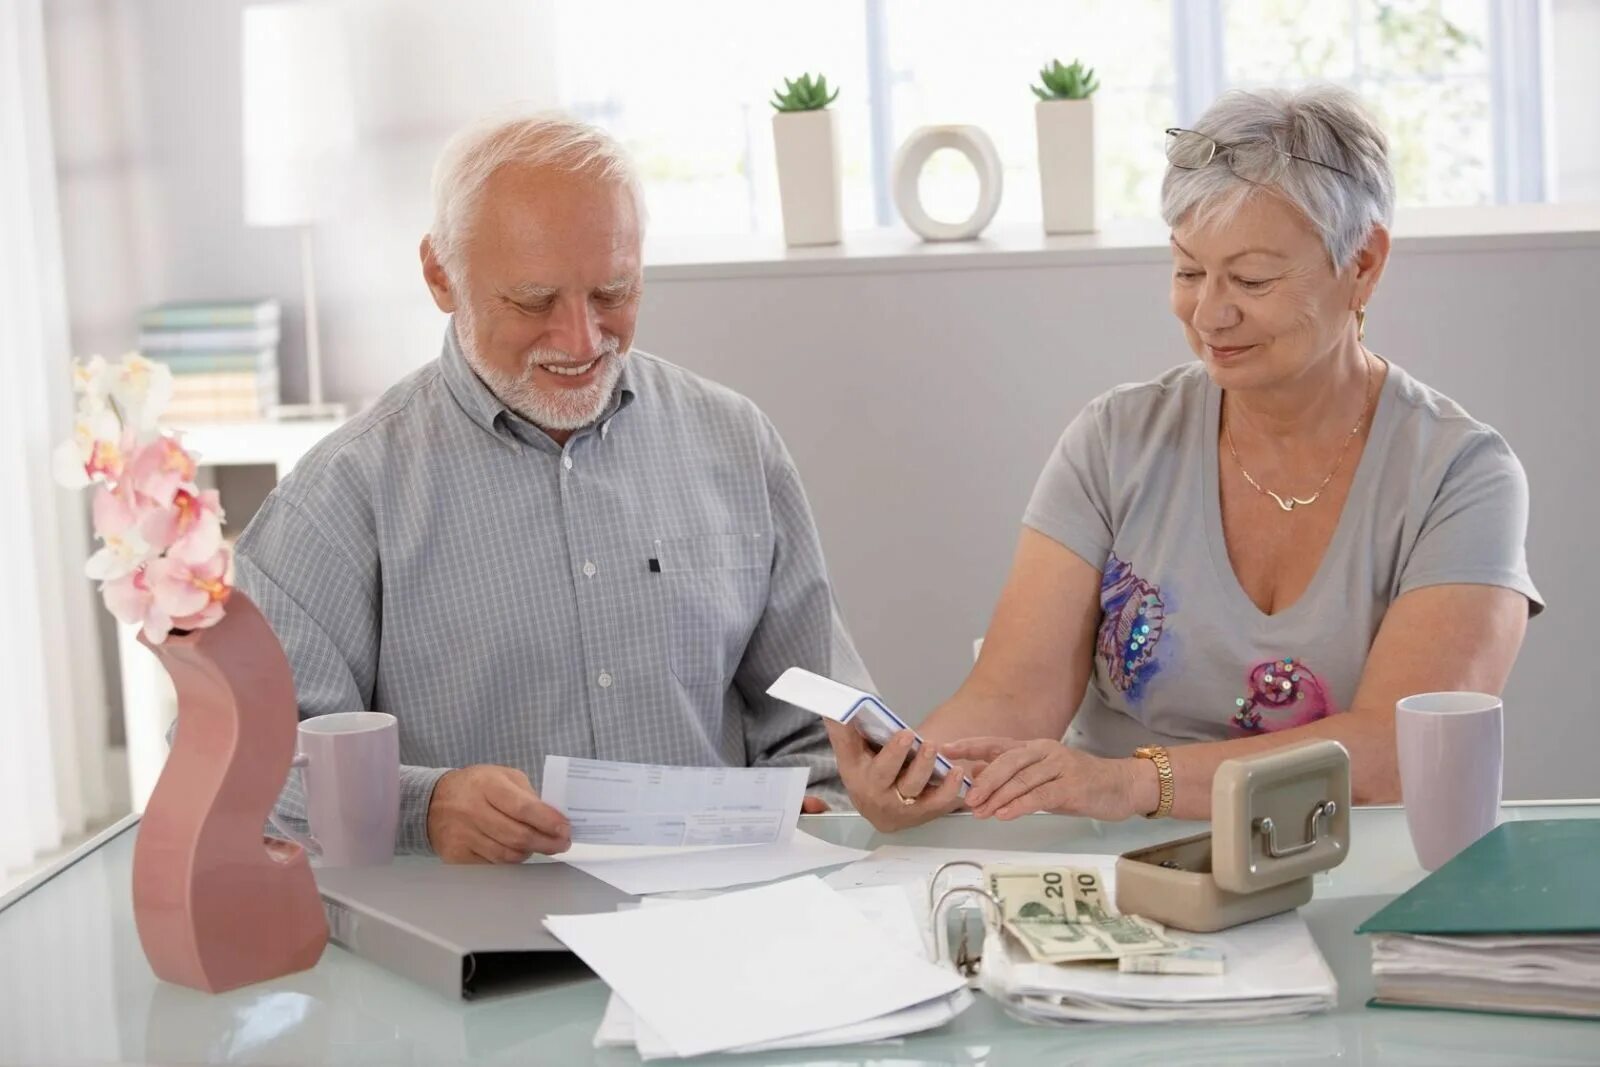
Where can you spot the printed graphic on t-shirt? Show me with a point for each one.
(1133, 616)
(1281, 694)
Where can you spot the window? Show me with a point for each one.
(1422, 65)
(686, 87)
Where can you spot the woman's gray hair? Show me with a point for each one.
(1323, 122)
(540, 139)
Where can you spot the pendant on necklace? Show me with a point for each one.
(1295, 501)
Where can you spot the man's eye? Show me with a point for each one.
(1254, 283)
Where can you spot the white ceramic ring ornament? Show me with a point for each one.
(971, 142)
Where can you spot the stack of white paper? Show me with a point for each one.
(1274, 969)
(787, 965)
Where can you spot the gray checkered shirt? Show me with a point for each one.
(629, 596)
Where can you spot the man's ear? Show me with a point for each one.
(1371, 258)
(439, 284)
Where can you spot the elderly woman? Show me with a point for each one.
(1268, 545)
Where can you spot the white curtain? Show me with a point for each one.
(53, 755)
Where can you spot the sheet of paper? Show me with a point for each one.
(752, 966)
(886, 907)
(658, 870)
(647, 804)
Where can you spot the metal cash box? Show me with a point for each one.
(1276, 820)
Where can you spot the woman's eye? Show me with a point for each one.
(1188, 275)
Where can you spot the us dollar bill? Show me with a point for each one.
(1063, 915)
(1195, 960)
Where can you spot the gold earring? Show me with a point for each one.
(1361, 322)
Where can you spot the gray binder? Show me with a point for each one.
(462, 930)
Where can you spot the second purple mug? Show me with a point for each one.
(350, 762)
(1451, 749)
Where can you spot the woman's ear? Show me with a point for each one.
(1370, 260)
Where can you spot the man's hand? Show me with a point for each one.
(490, 814)
(813, 806)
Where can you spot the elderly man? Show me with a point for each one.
(544, 542)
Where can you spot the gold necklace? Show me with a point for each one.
(1293, 502)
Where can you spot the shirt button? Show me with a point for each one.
(605, 428)
(566, 461)
(588, 570)
(604, 680)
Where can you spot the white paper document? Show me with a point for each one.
(886, 908)
(662, 870)
(647, 804)
(751, 967)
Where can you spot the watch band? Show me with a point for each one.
(1158, 755)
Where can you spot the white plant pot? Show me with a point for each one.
(1066, 164)
(809, 181)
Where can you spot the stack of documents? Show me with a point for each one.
(1512, 924)
(790, 965)
(1270, 968)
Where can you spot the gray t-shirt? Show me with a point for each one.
(1183, 654)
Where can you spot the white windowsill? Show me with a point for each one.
(1009, 246)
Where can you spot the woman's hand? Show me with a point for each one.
(872, 778)
(1023, 777)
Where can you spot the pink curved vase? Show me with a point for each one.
(218, 905)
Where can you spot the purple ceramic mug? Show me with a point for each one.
(350, 762)
(1451, 747)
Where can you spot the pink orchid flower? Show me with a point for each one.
(191, 529)
(162, 563)
(123, 549)
(191, 595)
(130, 600)
(159, 468)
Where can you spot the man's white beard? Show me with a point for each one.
(561, 410)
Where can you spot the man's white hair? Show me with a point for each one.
(539, 140)
(1326, 123)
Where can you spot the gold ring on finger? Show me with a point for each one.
(907, 801)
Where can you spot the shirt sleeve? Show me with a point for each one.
(801, 627)
(1474, 532)
(323, 606)
(1071, 501)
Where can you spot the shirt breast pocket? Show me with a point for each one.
(714, 590)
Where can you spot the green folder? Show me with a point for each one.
(1538, 877)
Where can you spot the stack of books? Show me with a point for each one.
(223, 357)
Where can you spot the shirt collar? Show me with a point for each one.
(487, 410)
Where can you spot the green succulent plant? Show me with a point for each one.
(1076, 82)
(803, 94)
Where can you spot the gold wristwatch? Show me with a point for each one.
(1158, 755)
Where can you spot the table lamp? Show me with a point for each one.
(299, 138)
